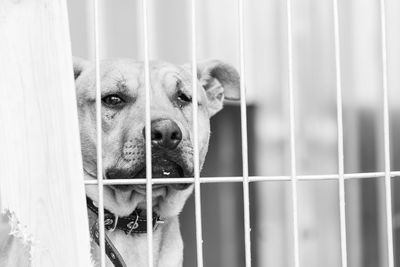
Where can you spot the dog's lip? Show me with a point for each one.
(90, 174)
(165, 168)
(162, 168)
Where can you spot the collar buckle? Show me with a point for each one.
(132, 225)
(111, 221)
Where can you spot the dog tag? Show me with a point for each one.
(133, 225)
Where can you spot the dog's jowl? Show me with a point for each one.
(123, 147)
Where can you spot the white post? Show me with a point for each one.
(41, 178)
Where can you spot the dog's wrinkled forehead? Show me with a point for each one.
(122, 77)
(128, 77)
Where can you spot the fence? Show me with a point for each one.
(245, 179)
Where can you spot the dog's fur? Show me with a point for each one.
(124, 143)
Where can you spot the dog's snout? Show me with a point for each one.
(165, 134)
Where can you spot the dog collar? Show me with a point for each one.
(131, 224)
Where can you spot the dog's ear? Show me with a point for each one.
(220, 81)
(79, 65)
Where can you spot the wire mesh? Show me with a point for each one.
(341, 176)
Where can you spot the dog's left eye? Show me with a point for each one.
(112, 100)
(184, 98)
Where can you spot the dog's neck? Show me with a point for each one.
(131, 244)
(136, 222)
(167, 245)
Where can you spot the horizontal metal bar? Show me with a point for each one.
(229, 179)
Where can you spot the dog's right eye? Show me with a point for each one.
(113, 101)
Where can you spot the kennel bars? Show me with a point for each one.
(99, 135)
(245, 179)
(293, 176)
(386, 139)
(339, 109)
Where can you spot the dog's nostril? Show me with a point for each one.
(156, 135)
(165, 133)
(176, 135)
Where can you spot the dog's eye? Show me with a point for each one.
(184, 98)
(112, 100)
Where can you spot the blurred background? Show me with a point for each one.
(268, 117)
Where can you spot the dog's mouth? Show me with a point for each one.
(161, 168)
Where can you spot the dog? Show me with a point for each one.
(123, 130)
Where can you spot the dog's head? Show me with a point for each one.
(123, 124)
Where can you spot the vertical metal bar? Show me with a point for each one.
(386, 134)
(243, 118)
(292, 136)
(149, 200)
(99, 137)
(197, 192)
(339, 109)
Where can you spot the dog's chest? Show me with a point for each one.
(167, 247)
(133, 249)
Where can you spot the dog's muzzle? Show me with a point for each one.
(161, 168)
(166, 159)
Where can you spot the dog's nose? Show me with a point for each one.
(165, 133)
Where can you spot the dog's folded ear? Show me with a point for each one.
(220, 81)
(79, 65)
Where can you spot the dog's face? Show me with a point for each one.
(123, 125)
